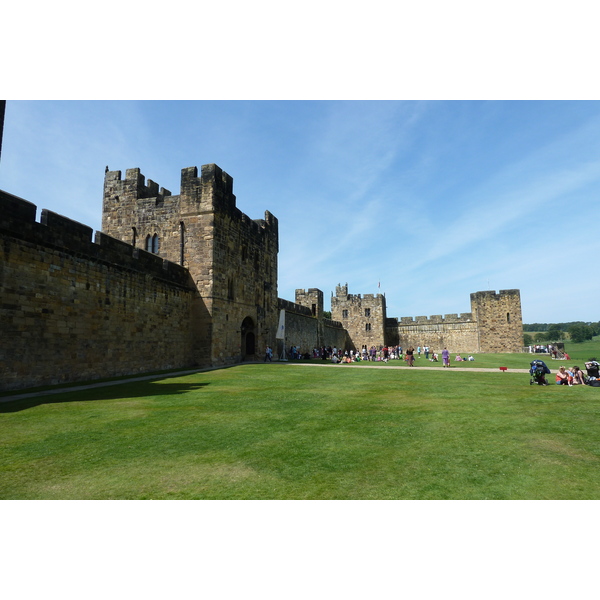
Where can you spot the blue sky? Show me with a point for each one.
(431, 200)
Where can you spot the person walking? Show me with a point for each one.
(446, 357)
(268, 354)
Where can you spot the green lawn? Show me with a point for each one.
(284, 431)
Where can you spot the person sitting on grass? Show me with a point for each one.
(578, 378)
(470, 357)
(458, 358)
(434, 357)
(562, 378)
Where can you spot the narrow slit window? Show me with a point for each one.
(181, 242)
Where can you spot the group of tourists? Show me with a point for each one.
(554, 351)
(570, 376)
(370, 354)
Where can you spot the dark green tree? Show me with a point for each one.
(555, 333)
(580, 333)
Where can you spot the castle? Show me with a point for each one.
(176, 281)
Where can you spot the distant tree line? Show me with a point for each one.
(576, 331)
(545, 326)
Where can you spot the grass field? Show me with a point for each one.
(286, 431)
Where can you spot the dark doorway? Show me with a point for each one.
(248, 339)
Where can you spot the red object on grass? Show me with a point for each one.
(503, 368)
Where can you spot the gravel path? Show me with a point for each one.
(420, 368)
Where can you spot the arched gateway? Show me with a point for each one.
(248, 339)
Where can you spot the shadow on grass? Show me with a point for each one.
(142, 389)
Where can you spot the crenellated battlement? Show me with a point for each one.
(126, 202)
(292, 307)
(341, 293)
(55, 231)
(492, 295)
(214, 187)
(332, 323)
(133, 184)
(432, 320)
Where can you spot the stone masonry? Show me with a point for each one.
(232, 259)
(363, 317)
(493, 325)
(76, 310)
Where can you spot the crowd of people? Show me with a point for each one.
(373, 354)
(569, 376)
(555, 352)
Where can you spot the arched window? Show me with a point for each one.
(152, 243)
(133, 236)
(508, 317)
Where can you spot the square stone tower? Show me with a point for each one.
(499, 320)
(313, 299)
(363, 317)
(231, 258)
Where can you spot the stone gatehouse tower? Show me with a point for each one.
(231, 258)
(363, 317)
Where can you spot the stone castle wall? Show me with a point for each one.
(458, 334)
(74, 310)
(306, 331)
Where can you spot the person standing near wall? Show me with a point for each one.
(446, 357)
